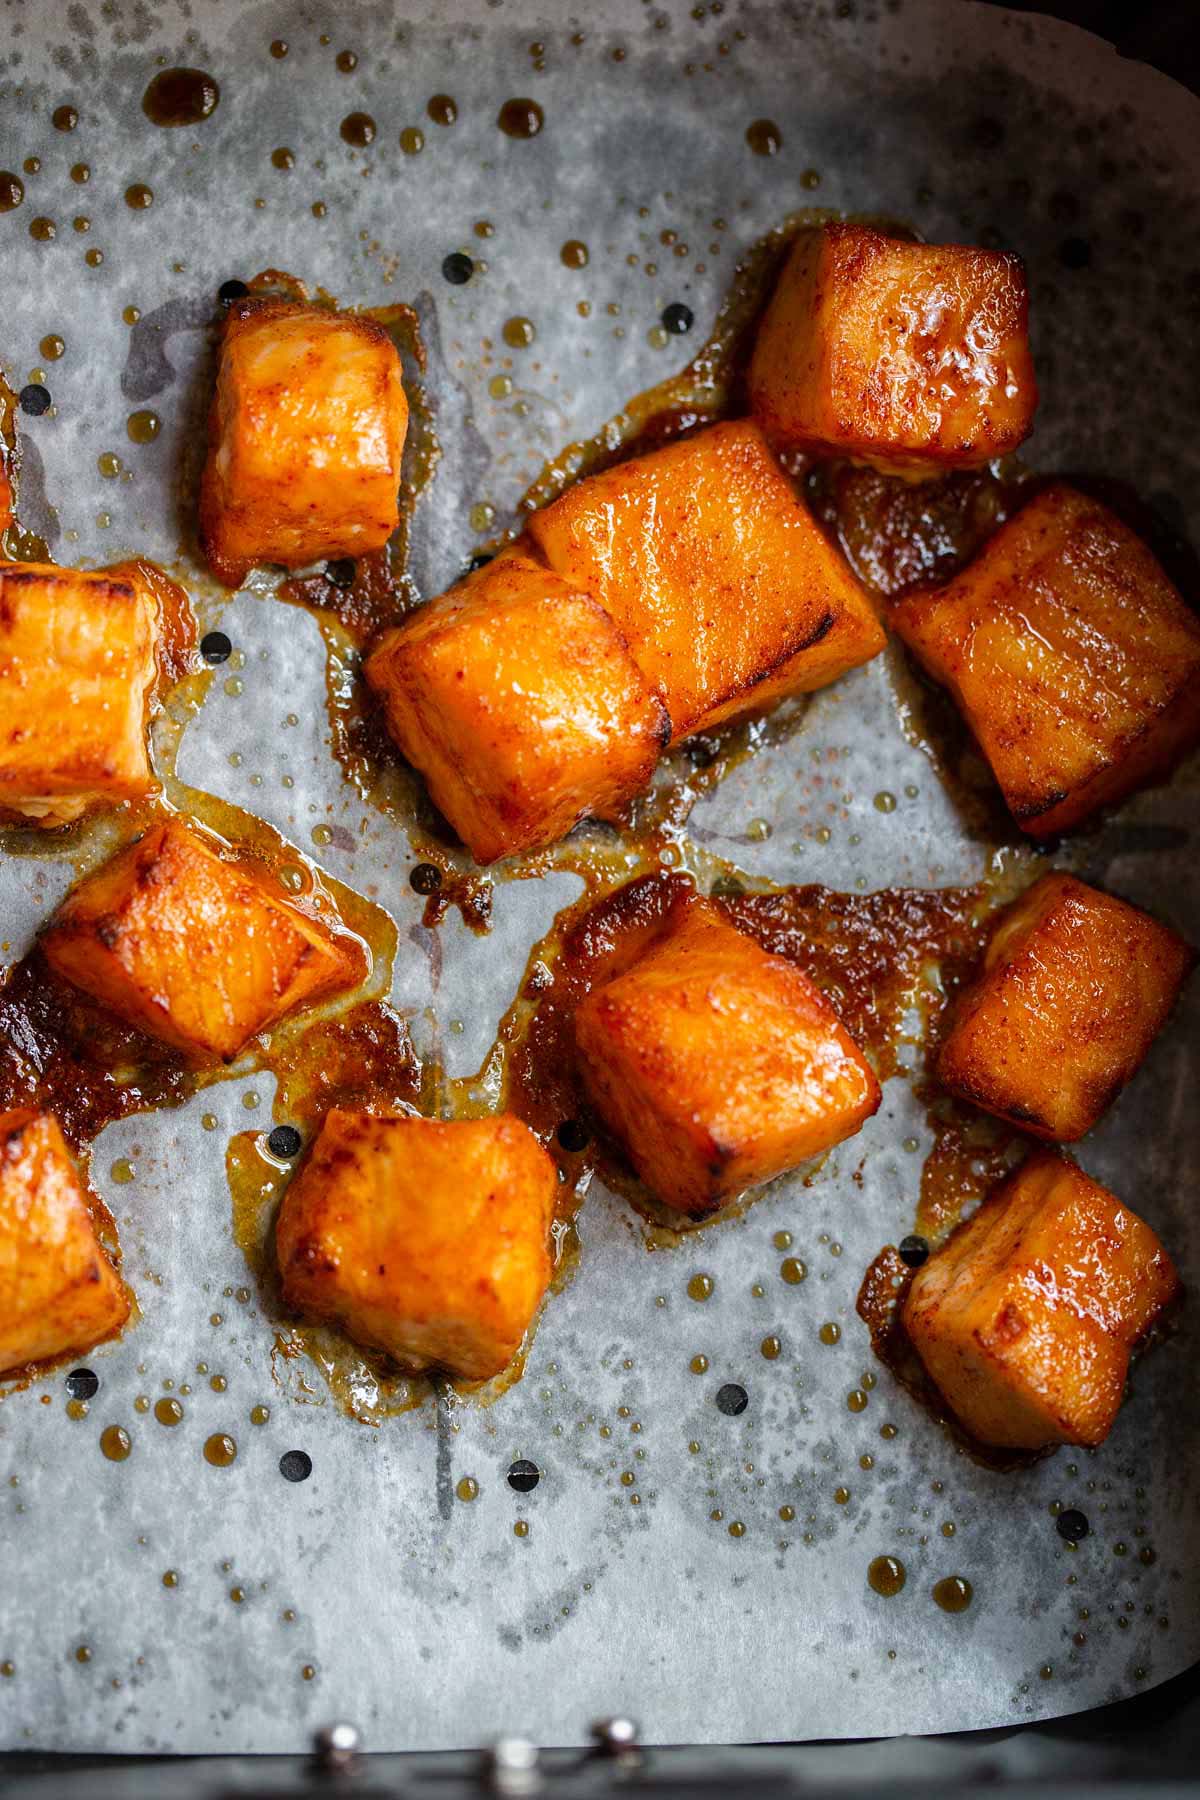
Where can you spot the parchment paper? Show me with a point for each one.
(426, 1620)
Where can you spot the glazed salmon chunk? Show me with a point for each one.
(197, 948)
(716, 1065)
(1073, 658)
(1026, 1317)
(59, 1293)
(77, 669)
(1074, 987)
(427, 1239)
(306, 434)
(724, 587)
(517, 698)
(911, 356)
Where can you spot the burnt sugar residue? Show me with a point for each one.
(970, 1153)
(181, 97)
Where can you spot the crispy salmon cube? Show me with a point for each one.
(1071, 655)
(427, 1239)
(77, 668)
(59, 1293)
(727, 591)
(1073, 989)
(516, 697)
(305, 437)
(913, 356)
(717, 1065)
(197, 949)
(1026, 1317)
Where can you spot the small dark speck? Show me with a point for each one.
(914, 1251)
(35, 400)
(1075, 253)
(732, 1399)
(678, 318)
(215, 647)
(523, 1476)
(341, 572)
(426, 878)
(1072, 1525)
(82, 1384)
(295, 1465)
(232, 290)
(573, 1135)
(285, 1140)
(458, 268)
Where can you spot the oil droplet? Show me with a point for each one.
(737, 1529)
(210, 1121)
(412, 141)
(259, 1415)
(442, 109)
(866, 1460)
(787, 1514)
(886, 1575)
(346, 61)
(482, 515)
(764, 137)
(888, 1431)
(627, 1478)
(170, 1578)
(782, 1240)
(841, 1495)
(219, 1450)
(698, 1365)
(521, 1528)
(32, 165)
(83, 1654)
(811, 178)
(771, 1348)
(358, 128)
(856, 1400)
(283, 158)
(77, 1409)
(123, 1172)
(52, 347)
(81, 174)
(279, 48)
(142, 1403)
(793, 1270)
(180, 97)
(467, 1489)
(308, 1673)
(93, 258)
(44, 230)
(8, 1669)
(700, 1287)
(953, 1593)
(500, 387)
(143, 426)
(168, 1412)
(115, 1443)
(217, 1383)
(12, 190)
(318, 209)
(574, 254)
(885, 802)
(132, 314)
(64, 118)
(237, 1595)
(109, 465)
(830, 1332)
(518, 333)
(138, 196)
(949, 1528)
(520, 118)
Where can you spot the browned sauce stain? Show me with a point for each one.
(520, 118)
(970, 1153)
(180, 97)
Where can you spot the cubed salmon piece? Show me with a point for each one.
(1071, 655)
(305, 438)
(196, 948)
(728, 593)
(427, 1239)
(77, 668)
(717, 1065)
(516, 697)
(1073, 989)
(912, 356)
(1026, 1317)
(59, 1293)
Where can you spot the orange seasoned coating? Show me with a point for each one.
(727, 591)
(305, 437)
(1026, 1317)
(912, 356)
(195, 948)
(717, 1065)
(516, 697)
(1073, 659)
(427, 1239)
(59, 1293)
(77, 667)
(1074, 987)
